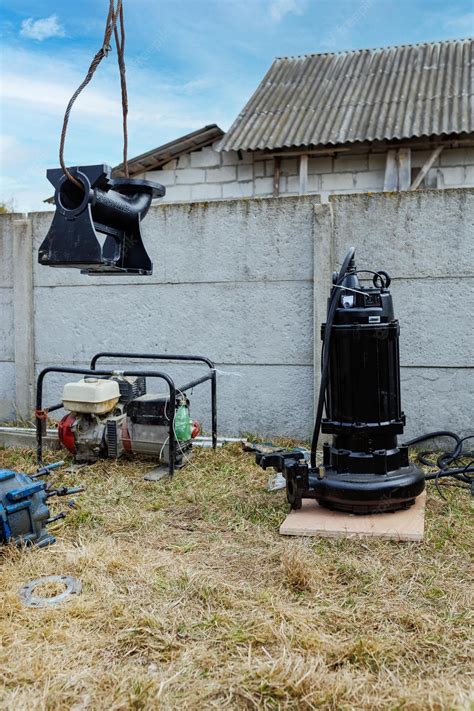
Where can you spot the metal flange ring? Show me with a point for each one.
(73, 586)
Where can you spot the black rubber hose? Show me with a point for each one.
(333, 300)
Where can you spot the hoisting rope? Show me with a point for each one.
(114, 18)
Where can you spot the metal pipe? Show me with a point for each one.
(55, 407)
(152, 356)
(193, 383)
(214, 408)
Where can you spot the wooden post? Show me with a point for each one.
(276, 177)
(303, 174)
(404, 168)
(390, 183)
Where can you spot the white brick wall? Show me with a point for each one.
(350, 164)
(205, 158)
(263, 186)
(245, 172)
(371, 181)
(223, 174)
(207, 174)
(334, 182)
(191, 176)
(206, 191)
(457, 156)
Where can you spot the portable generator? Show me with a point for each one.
(109, 417)
(110, 413)
(364, 470)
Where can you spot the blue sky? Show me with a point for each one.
(189, 63)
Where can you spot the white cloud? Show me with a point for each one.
(52, 96)
(280, 8)
(42, 29)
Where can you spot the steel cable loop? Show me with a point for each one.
(114, 14)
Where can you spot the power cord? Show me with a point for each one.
(333, 301)
(445, 459)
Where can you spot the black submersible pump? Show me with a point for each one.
(364, 470)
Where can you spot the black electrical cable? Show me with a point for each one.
(333, 301)
(460, 473)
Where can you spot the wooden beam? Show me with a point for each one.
(276, 177)
(425, 168)
(297, 154)
(390, 183)
(303, 174)
(404, 168)
(376, 147)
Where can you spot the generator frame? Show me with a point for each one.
(41, 413)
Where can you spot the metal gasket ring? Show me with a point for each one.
(73, 587)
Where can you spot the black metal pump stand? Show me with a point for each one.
(363, 469)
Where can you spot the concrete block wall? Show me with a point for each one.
(245, 282)
(208, 174)
(232, 280)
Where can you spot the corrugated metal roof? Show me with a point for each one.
(152, 160)
(364, 95)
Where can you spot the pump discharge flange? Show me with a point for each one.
(111, 208)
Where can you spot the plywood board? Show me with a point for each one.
(314, 520)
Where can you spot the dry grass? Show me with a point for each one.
(191, 600)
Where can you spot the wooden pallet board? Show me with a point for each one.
(314, 520)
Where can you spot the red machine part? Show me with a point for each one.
(66, 434)
(195, 430)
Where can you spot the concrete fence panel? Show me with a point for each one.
(245, 282)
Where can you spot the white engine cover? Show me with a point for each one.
(91, 395)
